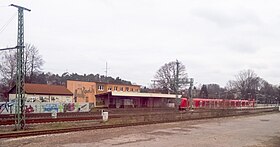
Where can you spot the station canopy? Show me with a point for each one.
(138, 94)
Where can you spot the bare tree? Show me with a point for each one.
(8, 67)
(269, 93)
(266, 88)
(246, 83)
(166, 76)
(203, 92)
(33, 62)
(215, 91)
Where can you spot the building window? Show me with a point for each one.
(115, 88)
(100, 87)
(126, 88)
(132, 89)
(121, 89)
(110, 89)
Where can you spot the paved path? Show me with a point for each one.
(252, 131)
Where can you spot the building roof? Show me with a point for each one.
(44, 89)
(138, 94)
(118, 84)
(105, 83)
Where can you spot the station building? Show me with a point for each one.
(117, 99)
(44, 93)
(86, 91)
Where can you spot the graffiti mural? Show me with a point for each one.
(76, 107)
(51, 107)
(9, 107)
(6, 107)
(85, 93)
(29, 109)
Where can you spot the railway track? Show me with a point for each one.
(67, 130)
(102, 126)
(66, 119)
(50, 120)
(36, 118)
(42, 132)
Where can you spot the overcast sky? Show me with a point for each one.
(215, 39)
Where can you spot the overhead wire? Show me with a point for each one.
(8, 22)
(9, 48)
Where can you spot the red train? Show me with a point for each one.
(215, 103)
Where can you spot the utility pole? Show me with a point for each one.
(190, 91)
(20, 96)
(177, 83)
(106, 70)
(106, 73)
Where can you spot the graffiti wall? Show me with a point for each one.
(83, 91)
(6, 107)
(9, 107)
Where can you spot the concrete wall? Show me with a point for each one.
(181, 116)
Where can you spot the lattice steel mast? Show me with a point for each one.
(20, 96)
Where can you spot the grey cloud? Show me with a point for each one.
(227, 18)
(259, 66)
(214, 39)
(242, 46)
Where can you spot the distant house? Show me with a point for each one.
(43, 93)
(86, 91)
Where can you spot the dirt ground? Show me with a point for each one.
(247, 131)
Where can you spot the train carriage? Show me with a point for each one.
(215, 103)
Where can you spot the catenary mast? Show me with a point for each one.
(20, 96)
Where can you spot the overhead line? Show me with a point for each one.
(9, 48)
(9, 21)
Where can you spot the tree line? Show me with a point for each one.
(33, 69)
(245, 85)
